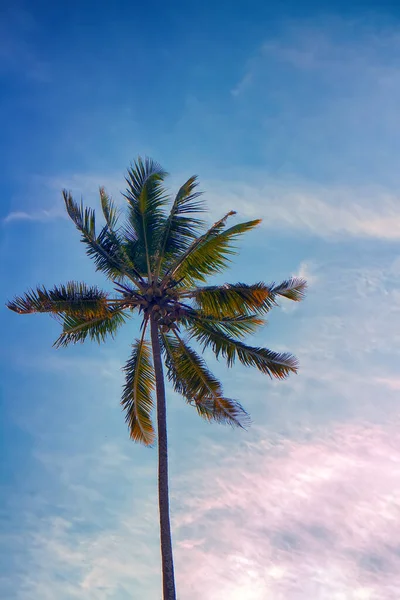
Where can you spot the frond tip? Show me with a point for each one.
(274, 364)
(71, 298)
(79, 328)
(192, 379)
(137, 396)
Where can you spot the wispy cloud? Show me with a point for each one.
(41, 216)
(274, 519)
(105, 545)
(326, 92)
(334, 211)
(308, 519)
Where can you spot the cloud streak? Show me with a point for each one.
(335, 212)
(306, 519)
(41, 216)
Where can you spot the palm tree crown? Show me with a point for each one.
(156, 261)
(159, 259)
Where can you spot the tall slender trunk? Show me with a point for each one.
(163, 495)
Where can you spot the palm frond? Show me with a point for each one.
(72, 299)
(110, 211)
(238, 326)
(293, 289)
(104, 248)
(146, 198)
(210, 254)
(78, 328)
(137, 396)
(212, 231)
(232, 299)
(243, 299)
(181, 227)
(274, 364)
(192, 379)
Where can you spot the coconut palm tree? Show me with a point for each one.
(158, 261)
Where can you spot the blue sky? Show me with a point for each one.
(285, 112)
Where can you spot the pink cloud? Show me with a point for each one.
(304, 520)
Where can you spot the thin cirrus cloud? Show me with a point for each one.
(326, 93)
(333, 211)
(40, 215)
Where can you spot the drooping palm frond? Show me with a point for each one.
(137, 397)
(78, 328)
(181, 227)
(104, 248)
(192, 379)
(146, 198)
(274, 364)
(72, 299)
(210, 254)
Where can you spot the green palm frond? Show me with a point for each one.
(181, 226)
(192, 379)
(110, 211)
(239, 326)
(214, 230)
(72, 299)
(137, 397)
(274, 364)
(210, 254)
(78, 328)
(104, 248)
(242, 299)
(146, 199)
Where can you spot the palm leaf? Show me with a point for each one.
(243, 299)
(181, 226)
(232, 299)
(191, 378)
(239, 326)
(72, 299)
(212, 231)
(146, 198)
(293, 289)
(210, 255)
(105, 248)
(137, 396)
(110, 211)
(78, 328)
(274, 364)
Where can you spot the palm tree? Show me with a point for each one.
(158, 261)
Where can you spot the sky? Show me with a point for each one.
(287, 111)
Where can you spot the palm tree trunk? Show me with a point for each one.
(163, 495)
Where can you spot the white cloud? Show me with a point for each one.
(38, 215)
(333, 212)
